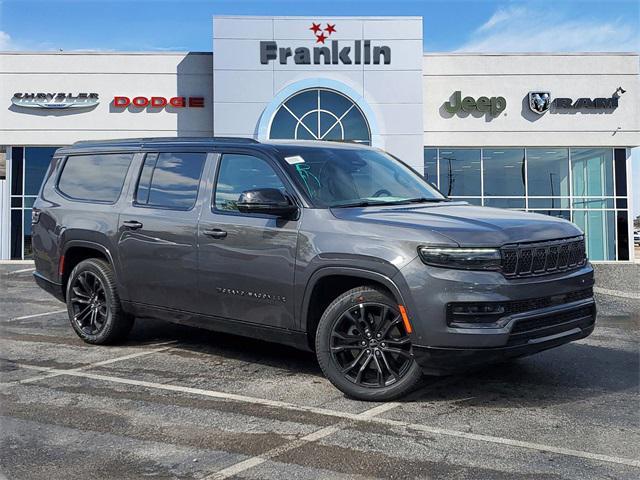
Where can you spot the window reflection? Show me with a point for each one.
(548, 171)
(239, 173)
(503, 172)
(94, 177)
(37, 161)
(592, 171)
(171, 180)
(599, 229)
(460, 172)
(504, 202)
(431, 165)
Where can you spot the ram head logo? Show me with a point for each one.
(539, 102)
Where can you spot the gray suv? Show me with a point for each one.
(336, 248)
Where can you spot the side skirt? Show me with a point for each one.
(284, 336)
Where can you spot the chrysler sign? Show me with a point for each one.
(358, 52)
(55, 100)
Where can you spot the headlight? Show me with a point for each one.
(461, 258)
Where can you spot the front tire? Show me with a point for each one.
(363, 347)
(93, 304)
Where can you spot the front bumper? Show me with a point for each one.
(442, 347)
(542, 329)
(53, 288)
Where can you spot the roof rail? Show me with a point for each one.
(151, 140)
(235, 139)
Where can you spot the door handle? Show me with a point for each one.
(215, 233)
(132, 224)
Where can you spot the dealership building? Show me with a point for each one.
(548, 133)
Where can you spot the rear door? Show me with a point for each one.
(246, 260)
(158, 231)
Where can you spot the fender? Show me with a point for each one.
(351, 272)
(95, 246)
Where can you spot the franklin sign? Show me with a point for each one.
(360, 52)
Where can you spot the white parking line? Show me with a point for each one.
(21, 271)
(616, 293)
(350, 416)
(37, 315)
(311, 437)
(274, 452)
(52, 372)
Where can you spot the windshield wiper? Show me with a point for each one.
(364, 203)
(425, 200)
(369, 203)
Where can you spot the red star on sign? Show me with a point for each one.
(330, 28)
(321, 38)
(315, 27)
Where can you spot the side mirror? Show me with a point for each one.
(266, 200)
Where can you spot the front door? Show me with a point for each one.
(246, 260)
(158, 231)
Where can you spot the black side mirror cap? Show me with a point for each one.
(270, 201)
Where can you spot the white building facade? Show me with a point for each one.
(537, 132)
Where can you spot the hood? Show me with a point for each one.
(465, 224)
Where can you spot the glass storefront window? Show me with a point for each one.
(431, 165)
(504, 202)
(28, 168)
(548, 172)
(566, 214)
(26, 233)
(599, 228)
(503, 172)
(583, 185)
(460, 172)
(592, 172)
(473, 201)
(548, 202)
(36, 162)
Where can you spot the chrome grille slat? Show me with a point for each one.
(540, 258)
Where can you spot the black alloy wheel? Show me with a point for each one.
(363, 346)
(93, 303)
(89, 303)
(370, 345)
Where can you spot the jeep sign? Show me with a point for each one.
(494, 106)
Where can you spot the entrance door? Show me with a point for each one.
(246, 260)
(158, 232)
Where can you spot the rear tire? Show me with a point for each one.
(93, 304)
(363, 348)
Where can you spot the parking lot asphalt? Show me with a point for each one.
(178, 402)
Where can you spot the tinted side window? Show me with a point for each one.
(97, 178)
(239, 173)
(170, 180)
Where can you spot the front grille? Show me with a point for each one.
(528, 329)
(528, 324)
(521, 306)
(514, 307)
(530, 259)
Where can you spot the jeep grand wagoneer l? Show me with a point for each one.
(337, 248)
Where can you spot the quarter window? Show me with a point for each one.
(170, 180)
(97, 178)
(239, 173)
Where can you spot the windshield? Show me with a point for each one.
(342, 177)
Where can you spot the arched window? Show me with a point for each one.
(320, 114)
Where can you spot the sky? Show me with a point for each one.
(449, 25)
